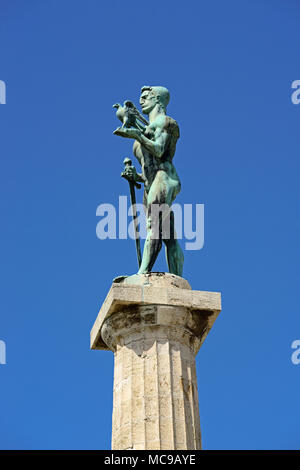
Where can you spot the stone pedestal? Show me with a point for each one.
(155, 325)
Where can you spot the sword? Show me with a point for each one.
(128, 163)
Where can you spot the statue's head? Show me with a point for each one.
(152, 96)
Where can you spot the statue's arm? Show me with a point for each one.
(157, 146)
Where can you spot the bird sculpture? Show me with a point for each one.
(130, 116)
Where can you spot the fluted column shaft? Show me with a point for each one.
(155, 404)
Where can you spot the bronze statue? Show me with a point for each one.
(154, 147)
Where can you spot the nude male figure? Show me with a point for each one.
(154, 149)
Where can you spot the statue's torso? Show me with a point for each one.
(149, 163)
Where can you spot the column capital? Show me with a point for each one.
(154, 299)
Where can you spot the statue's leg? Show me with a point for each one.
(161, 226)
(152, 247)
(174, 253)
(153, 243)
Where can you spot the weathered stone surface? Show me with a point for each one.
(155, 333)
(157, 280)
(146, 291)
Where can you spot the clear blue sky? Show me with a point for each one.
(229, 67)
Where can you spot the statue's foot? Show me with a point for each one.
(143, 271)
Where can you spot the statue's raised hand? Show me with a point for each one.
(129, 133)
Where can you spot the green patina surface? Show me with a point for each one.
(154, 147)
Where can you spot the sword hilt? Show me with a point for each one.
(128, 163)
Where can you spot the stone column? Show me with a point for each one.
(155, 325)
